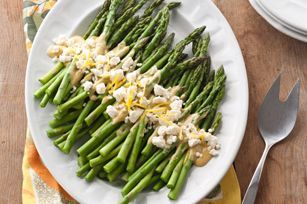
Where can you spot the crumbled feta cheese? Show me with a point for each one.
(158, 99)
(174, 98)
(135, 114)
(131, 93)
(210, 130)
(132, 76)
(102, 59)
(173, 129)
(176, 105)
(158, 141)
(64, 58)
(60, 40)
(87, 85)
(144, 102)
(160, 91)
(189, 128)
(144, 81)
(97, 72)
(80, 63)
(127, 64)
(198, 154)
(91, 42)
(193, 141)
(213, 152)
(120, 94)
(139, 64)
(212, 141)
(173, 115)
(152, 118)
(111, 111)
(162, 130)
(218, 146)
(118, 74)
(171, 139)
(114, 61)
(101, 88)
(140, 94)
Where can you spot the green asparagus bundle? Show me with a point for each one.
(141, 111)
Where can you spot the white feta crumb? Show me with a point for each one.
(131, 92)
(91, 42)
(176, 105)
(102, 59)
(160, 91)
(213, 141)
(213, 152)
(111, 111)
(174, 98)
(97, 72)
(118, 74)
(120, 94)
(114, 61)
(101, 88)
(198, 154)
(193, 141)
(139, 64)
(60, 40)
(173, 115)
(173, 129)
(80, 63)
(144, 81)
(64, 58)
(190, 128)
(132, 76)
(152, 118)
(140, 94)
(135, 114)
(218, 146)
(158, 141)
(162, 130)
(127, 64)
(87, 85)
(159, 99)
(171, 139)
(144, 102)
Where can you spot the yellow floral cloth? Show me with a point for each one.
(38, 184)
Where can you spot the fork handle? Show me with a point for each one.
(251, 192)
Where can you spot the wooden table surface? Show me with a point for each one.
(266, 51)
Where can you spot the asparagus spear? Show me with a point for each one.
(92, 26)
(159, 35)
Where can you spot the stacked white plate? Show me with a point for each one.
(287, 16)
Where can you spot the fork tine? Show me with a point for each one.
(293, 97)
(273, 93)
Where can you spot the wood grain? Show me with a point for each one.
(13, 60)
(266, 51)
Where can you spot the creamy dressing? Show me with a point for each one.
(205, 156)
(76, 76)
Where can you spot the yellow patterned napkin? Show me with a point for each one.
(38, 184)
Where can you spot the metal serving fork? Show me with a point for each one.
(276, 120)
